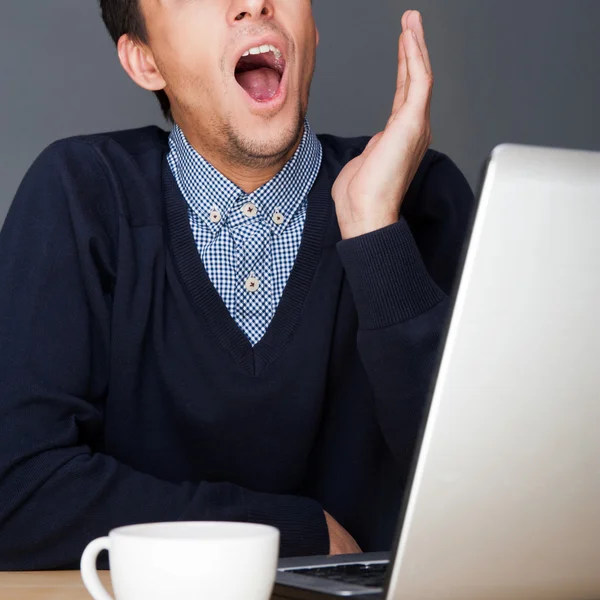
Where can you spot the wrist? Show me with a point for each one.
(355, 229)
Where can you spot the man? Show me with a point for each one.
(237, 320)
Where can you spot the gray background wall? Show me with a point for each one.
(517, 70)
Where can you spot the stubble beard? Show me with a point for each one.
(248, 152)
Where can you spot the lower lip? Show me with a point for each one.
(274, 103)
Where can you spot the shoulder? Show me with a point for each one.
(131, 142)
(86, 187)
(81, 191)
(134, 144)
(102, 174)
(438, 188)
(96, 155)
(111, 151)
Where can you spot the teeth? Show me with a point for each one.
(263, 50)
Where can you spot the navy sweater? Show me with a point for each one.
(128, 394)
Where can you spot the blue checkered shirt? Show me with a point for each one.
(248, 242)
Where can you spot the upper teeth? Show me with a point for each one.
(263, 50)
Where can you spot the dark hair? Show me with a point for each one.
(125, 17)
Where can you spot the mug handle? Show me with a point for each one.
(89, 572)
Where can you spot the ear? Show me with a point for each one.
(138, 62)
(317, 36)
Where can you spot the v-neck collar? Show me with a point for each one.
(252, 360)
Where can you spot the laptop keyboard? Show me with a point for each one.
(368, 575)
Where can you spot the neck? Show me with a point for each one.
(246, 177)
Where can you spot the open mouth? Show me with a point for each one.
(259, 72)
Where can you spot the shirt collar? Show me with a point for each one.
(205, 188)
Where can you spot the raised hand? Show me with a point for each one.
(370, 189)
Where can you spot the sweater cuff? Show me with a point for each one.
(301, 522)
(388, 277)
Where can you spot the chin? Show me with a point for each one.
(261, 138)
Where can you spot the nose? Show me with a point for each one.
(252, 10)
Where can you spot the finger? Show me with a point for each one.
(414, 21)
(403, 81)
(405, 17)
(419, 92)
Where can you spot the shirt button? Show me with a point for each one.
(249, 209)
(215, 216)
(278, 218)
(252, 284)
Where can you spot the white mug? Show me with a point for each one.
(185, 561)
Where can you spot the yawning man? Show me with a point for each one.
(234, 320)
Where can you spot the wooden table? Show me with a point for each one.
(47, 585)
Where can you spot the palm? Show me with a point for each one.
(370, 188)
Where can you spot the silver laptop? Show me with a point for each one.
(505, 495)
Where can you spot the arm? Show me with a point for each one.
(401, 295)
(402, 310)
(56, 491)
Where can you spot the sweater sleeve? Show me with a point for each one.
(401, 296)
(57, 492)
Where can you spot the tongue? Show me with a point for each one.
(260, 84)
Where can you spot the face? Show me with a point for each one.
(251, 108)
